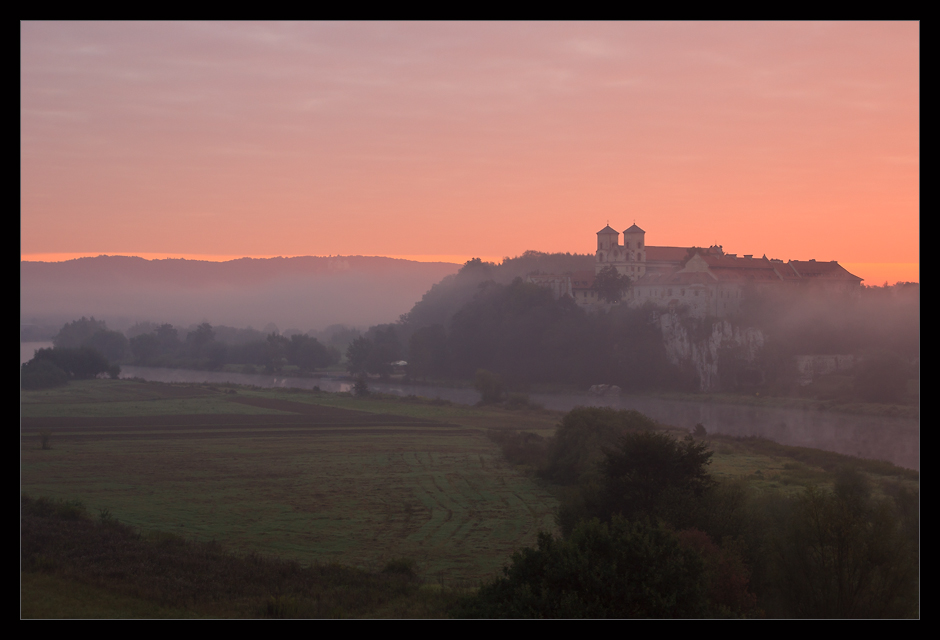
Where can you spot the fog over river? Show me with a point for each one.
(894, 439)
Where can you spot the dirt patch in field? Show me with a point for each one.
(255, 433)
(187, 422)
(325, 413)
(319, 420)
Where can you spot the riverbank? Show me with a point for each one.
(880, 437)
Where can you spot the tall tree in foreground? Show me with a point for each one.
(624, 570)
(844, 554)
(651, 473)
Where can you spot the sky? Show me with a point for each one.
(446, 141)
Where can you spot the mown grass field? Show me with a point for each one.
(310, 477)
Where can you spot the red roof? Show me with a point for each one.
(582, 279)
(821, 270)
(666, 254)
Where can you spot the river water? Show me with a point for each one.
(894, 439)
(882, 438)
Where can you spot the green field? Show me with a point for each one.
(320, 485)
(305, 476)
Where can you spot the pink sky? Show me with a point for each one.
(452, 140)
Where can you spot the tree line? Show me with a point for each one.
(87, 348)
(520, 331)
(476, 319)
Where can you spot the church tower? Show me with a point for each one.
(608, 248)
(634, 246)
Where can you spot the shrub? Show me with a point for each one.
(583, 434)
(280, 607)
(650, 473)
(881, 377)
(401, 566)
(846, 555)
(81, 362)
(521, 448)
(48, 508)
(490, 386)
(625, 570)
(42, 374)
(361, 388)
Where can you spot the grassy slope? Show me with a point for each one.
(50, 596)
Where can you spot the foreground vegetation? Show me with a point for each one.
(379, 507)
(648, 531)
(160, 574)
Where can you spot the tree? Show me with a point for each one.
(649, 470)
(42, 374)
(276, 350)
(386, 350)
(358, 354)
(622, 570)
(198, 339)
(582, 437)
(308, 353)
(111, 344)
(83, 362)
(145, 347)
(610, 284)
(168, 338)
(427, 352)
(881, 377)
(361, 388)
(78, 333)
(490, 386)
(845, 554)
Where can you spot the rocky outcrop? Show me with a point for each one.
(810, 366)
(605, 390)
(715, 350)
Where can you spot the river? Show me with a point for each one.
(883, 438)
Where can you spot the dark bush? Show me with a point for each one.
(881, 376)
(361, 388)
(625, 570)
(42, 374)
(490, 386)
(650, 473)
(846, 554)
(583, 434)
(81, 362)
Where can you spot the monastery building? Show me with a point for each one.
(706, 281)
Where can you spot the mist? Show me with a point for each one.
(309, 293)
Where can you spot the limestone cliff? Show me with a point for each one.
(720, 354)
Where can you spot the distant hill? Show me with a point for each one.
(304, 292)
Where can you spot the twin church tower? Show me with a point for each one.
(629, 258)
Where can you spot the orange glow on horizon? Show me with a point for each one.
(875, 274)
(872, 273)
(63, 257)
(445, 141)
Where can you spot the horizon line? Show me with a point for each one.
(65, 257)
(888, 272)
